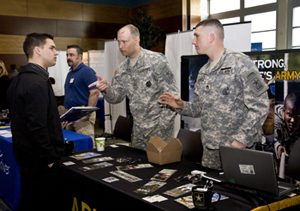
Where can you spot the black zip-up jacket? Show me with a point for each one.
(35, 123)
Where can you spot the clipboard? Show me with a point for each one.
(76, 113)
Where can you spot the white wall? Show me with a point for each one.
(60, 71)
(112, 59)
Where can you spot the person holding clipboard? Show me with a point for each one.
(77, 92)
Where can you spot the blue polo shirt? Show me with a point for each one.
(76, 85)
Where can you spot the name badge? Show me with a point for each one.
(71, 80)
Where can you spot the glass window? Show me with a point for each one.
(268, 39)
(262, 21)
(230, 20)
(253, 3)
(296, 37)
(296, 16)
(218, 6)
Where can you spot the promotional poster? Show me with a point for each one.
(280, 69)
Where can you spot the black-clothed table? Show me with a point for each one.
(89, 190)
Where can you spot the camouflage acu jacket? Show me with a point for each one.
(231, 101)
(282, 135)
(143, 83)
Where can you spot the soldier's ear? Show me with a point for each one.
(137, 41)
(212, 37)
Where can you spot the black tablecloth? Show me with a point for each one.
(87, 189)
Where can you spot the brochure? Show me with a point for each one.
(76, 113)
(186, 201)
(176, 192)
(137, 166)
(95, 160)
(163, 175)
(95, 166)
(150, 187)
(85, 155)
(125, 176)
(155, 198)
(110, 179)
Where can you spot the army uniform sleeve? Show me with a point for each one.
(116, 92)
(166, 79)
(256, 100)
(278, 124)
(192, 109)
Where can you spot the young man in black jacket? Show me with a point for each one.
(37, 132)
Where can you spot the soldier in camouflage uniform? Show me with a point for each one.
(230, 96)
(287, 124)
(142, 77)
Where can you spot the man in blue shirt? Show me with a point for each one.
(77, 92)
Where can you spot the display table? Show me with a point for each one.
(87, 190)
(10, 181)
(82, 142)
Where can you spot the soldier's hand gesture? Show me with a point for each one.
(171, 100)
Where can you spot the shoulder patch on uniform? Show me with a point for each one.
(164, 70)
(168, 74)
(255, 81)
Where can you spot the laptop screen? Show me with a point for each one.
(249, 168)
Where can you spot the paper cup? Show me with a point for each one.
(100, 143)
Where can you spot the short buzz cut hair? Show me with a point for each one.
(214, 23)
(32, 40)
(134, 31)
(292, 99)
(77, 47)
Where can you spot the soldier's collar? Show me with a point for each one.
(141, 64)
(220, 62)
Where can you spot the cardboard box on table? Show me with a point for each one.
(160, 152)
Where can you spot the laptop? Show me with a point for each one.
(254, 170)
(293, 164)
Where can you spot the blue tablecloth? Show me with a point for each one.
(100, 112)
(10, 179)
(82, 142)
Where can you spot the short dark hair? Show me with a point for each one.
(78, 49)
(32, 40)
(213, 22)
(292, 99)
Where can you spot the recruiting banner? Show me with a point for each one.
(281, 71)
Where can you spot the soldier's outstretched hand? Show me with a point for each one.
(101, 83)
(171, 100)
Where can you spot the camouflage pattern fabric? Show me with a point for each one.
(282, 136)
(143, 83)
(231, 100)
(211, 158)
